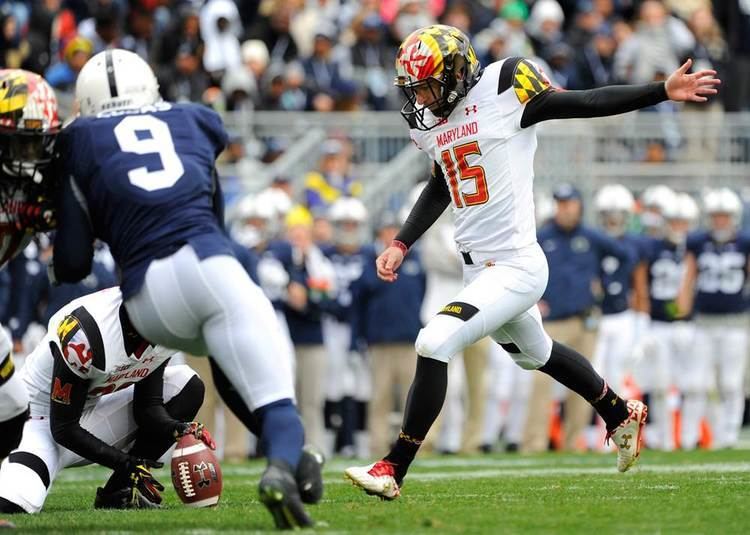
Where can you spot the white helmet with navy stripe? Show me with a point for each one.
(115, 80)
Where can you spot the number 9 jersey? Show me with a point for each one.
(487, 158)
(146, 179)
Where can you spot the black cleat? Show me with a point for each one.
(309, 475)
(124, 498)
(278, 492)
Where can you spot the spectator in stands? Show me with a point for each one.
(574, 252)
(458, 15)
(220, 29)
(325, 72)
(544, 26)
(595, 61)
(311, 282)
(412, 15)
(372, 61)
(184, 80)
(272, 27)
(658, 44)
(103, 29)
(183, 30)
(13, 44)
(386, 322)
(140, 31)
(315, 14)
(62, 75)
(238, 86)
(295, 96)
(734, 19)
(255, 58)
(331, 180)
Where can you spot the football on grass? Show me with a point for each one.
(196, 474)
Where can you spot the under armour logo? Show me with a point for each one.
(472, 109)
(626, 441)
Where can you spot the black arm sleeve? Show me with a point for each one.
(148, 404)
(432, 202)
(74, 239)
(600, 102)
(68, 397)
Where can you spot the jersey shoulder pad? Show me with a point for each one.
(81, 342)
(209, 121)
(525, 77)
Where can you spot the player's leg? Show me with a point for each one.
(14, 400)
(693, 381)
(26, 475)
(656, 381)
(183, 295)
(494, 296)
(732, 362)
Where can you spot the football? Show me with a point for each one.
(196, 474)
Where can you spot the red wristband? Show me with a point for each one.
(401, 245)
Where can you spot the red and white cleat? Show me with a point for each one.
(377, 479)
(628, 436)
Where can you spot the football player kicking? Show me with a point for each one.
(28, 128)
(140, 176)
(478, 127)
(101, 394)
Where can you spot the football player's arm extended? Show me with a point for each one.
(74, 239)
(600, 102)
(69, 393)
(148, 405)
(430, 205)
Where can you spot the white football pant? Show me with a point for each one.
(111, 420)
(614, 346)
(211, 307)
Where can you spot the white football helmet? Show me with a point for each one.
(614, 203)
(655, 199)
(723, 201)
(115, 80)
(348, 216)
(254, 221)
(681, 216)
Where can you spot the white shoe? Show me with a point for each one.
(628, 436)
(377, 479)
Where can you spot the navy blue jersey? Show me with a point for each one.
(148, 181)
(666, 266)
(348, 268)
(721, 287)
(616, 276)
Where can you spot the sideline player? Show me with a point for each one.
(715, 287)
(478, 127)
(96, 387)
(28, 130)
(140, 176)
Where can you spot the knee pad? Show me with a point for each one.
(437, 340)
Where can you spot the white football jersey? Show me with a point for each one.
(487, 159)
(89, 332)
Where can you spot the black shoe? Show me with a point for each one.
(309, 475)
(511, 447)
(124, 498)
(278, 492)
(486, 448)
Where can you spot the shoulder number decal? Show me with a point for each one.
(465, 172)
(145, 134)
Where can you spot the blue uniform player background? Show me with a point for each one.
(140, 176)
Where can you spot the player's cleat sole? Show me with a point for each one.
(309, 475)
(628, 436)
(278, 492)
(377, 479)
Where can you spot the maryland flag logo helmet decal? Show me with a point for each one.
(439, 57)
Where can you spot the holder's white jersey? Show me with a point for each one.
(487, 159)
(89, 333)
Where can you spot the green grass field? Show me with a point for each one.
(700, 492)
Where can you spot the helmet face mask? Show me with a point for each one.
(439, 62)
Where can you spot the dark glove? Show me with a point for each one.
(143, 481)
(197, 429)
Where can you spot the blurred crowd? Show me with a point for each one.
(327, 55)
(352, 335)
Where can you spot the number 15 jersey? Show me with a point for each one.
(487, 159)
(146, 178)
